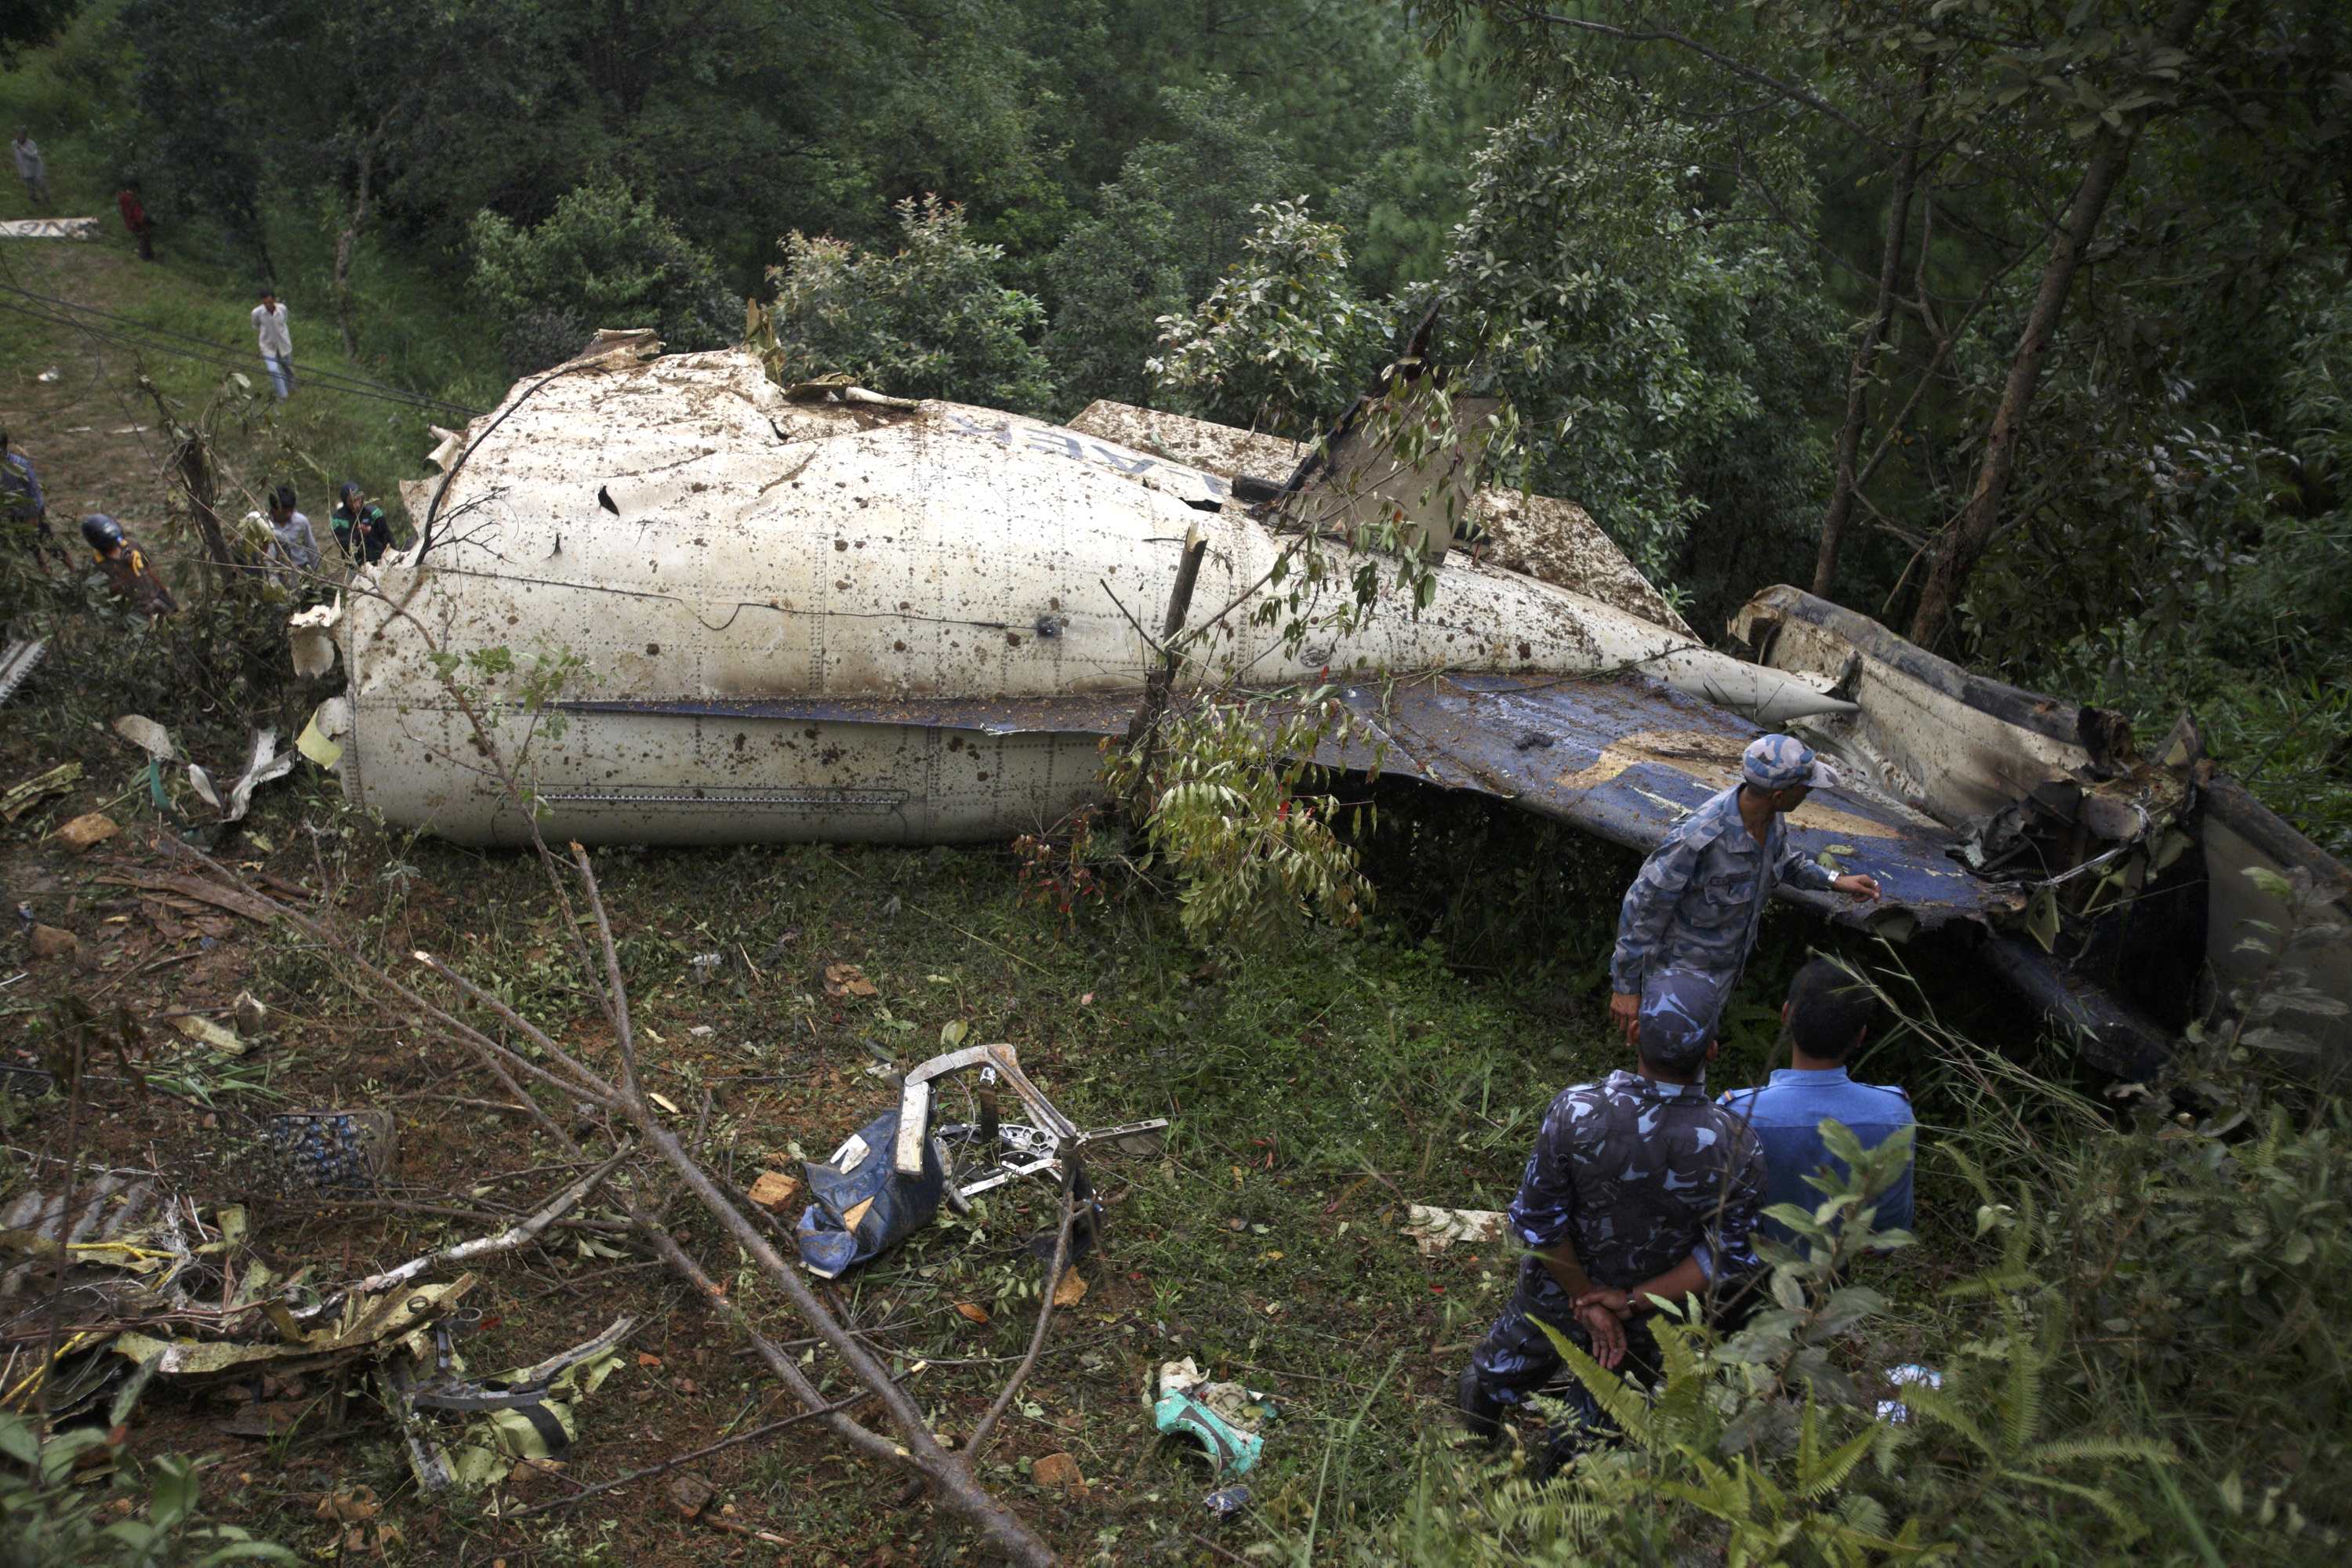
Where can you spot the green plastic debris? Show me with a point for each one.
(1224, 1416)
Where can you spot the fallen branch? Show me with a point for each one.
(512, 1238)
(913, 1445)
(981, 1434)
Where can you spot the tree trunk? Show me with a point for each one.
(347, 240)
(1865, 352)
(1963, 540)
(196, 468)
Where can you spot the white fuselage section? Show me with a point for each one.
(759, 551)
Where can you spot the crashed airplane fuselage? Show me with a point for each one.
(843, 617)
(841, 620)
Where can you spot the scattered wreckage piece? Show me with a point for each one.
(18, 661)
(523, 1414)
(360, 1330)
(21, 798)
(266, 764)
(123, 1251)
(889, 1179)
(2146, 887)
(1225, 1417)
(330, 1153)
(1434, 1229)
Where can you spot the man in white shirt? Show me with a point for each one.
(294, 549)
(276, 340)
(32, 168)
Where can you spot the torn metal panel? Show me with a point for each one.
(1627, 758)
(1542, 537)
(1941, 739)
(2134, 869)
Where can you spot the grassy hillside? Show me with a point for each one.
(186, 317)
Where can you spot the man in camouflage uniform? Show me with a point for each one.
(1702, 892)
(1639, 1185)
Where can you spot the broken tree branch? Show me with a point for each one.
(981, 1434)
(514, 1237)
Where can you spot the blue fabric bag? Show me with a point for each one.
(863, 1207)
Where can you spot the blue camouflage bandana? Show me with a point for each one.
(1783, 761)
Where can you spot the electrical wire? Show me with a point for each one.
(153, 336)
(138, 345)
(128, 332)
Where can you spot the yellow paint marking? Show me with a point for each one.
(1711, 760)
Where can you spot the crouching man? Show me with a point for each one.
(130, 575)
(1825, 1020)
(1639, 1185)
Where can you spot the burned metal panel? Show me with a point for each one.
(1627, 757)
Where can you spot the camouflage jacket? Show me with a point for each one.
(1635, 1173)
(1701, 893)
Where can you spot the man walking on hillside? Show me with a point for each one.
(1639, 1185)
(1702, 892)
(32, 168)
(135, 219)
(277, 337)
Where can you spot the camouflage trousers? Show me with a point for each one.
(1517, 1359)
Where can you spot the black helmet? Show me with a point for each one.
(102, 532)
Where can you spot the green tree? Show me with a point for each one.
(1176, 217)
(1284, 341)
(603, 258)
(929, 320)
(1650, 345)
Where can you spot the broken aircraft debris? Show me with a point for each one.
(847, 616)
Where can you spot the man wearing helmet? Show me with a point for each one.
(1701, 894)
(129, 574)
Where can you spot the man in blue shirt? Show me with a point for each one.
(1826, 1019)
(23, 509)
(1639, 1186)
(1702, 892)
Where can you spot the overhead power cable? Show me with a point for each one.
(129, 332)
